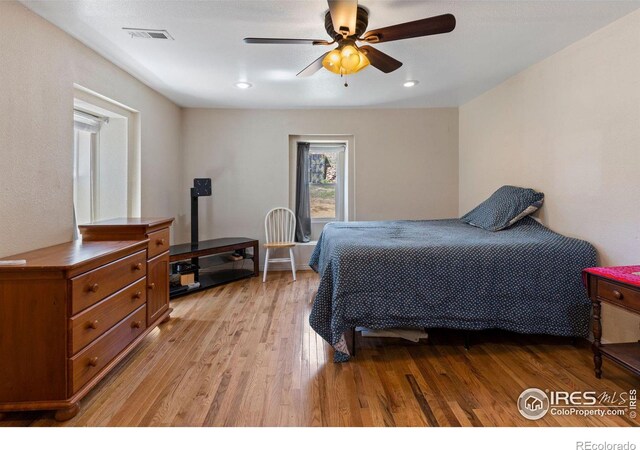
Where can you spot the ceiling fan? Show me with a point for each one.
(346, 23)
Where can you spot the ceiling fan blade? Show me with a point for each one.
(423, 27)
(380, 60)
(252, 40)
(312, 68)
(343, 16)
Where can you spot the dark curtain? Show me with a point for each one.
(303, 208)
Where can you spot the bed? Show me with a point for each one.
(448, 274)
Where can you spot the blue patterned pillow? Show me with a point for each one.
(505, 207)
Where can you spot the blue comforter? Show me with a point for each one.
(447, 274)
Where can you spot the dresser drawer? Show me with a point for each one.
(93, 322)
(158, 242)
(91, 287)
(88, 363)
(619, 295)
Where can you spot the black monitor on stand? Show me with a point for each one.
(201, 188)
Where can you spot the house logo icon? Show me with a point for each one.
(533, 403)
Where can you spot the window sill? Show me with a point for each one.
(325, 220)
(304, 244)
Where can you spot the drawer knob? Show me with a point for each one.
(136, 324)
(93, 325)
(137, 294)
(160, 242)
(618, 295)
(152, 286)
(93, 361)
(137, 266)
(94, 287)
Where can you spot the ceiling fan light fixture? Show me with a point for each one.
(243, 85)
(346, 23)
(345, 60)
(410, 83)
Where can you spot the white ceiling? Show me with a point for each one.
(493, 41)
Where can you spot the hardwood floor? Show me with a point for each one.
(244, 355)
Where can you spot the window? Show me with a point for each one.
(101, 169)
(322, 188)
(85, 159)
(326, 181)
(104, 168)
(106, 158)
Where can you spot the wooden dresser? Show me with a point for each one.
(67, 317)
(618, 286)
(157, 232)
(72, 312)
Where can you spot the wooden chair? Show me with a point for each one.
(280, 231)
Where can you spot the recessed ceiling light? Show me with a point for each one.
(410, 83)
(243, 85)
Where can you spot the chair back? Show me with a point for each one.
(280, 225)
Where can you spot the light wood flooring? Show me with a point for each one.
(244, 355)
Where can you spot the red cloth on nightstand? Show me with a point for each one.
(625, 274)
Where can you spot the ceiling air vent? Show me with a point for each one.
(148, 34)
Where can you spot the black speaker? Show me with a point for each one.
(201, 187)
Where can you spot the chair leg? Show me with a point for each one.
(293, 264)
(266, 265)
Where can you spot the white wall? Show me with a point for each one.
(568, 126)
(406, 162)
(39, 65)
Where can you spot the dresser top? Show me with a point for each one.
(147, 222)
(623, 274)
(72, 255)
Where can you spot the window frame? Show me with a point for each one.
(350, 204)
(316, 147)
(95, 103)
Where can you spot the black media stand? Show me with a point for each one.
(213, 262)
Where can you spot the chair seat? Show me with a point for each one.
(279, 244)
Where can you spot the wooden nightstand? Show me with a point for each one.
(618, 286)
